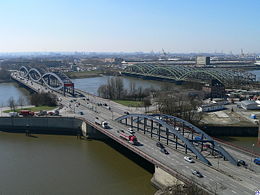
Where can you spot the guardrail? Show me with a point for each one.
(174, 173)
(241, 149)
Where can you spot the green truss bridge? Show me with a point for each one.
(180, 73)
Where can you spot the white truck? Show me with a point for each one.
(103, 124)
(13, 114)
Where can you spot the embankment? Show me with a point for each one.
(41, 125)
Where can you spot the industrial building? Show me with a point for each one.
(249, 105)
(214, 90)
(202, 60)
(211, 107)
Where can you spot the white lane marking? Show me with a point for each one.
(233, 191)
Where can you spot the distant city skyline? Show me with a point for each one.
(130, 26)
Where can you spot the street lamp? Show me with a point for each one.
(218, 157)
(252, 154)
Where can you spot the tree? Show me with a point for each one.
(11, 103)
(4, 74)
(21, 101)
(147, 103)
(44, 99)
(180, 105)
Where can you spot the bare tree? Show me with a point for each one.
(132, 87)
(119, 86)
(11, 103)
(147, 103)
(21, 101)
(180, 105)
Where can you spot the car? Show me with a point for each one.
(163, 150)
(257, 161)
(81, 113)
(127, 113)
(130, 130)
(160, 145)
(188, 159)
(241, 162)
(104, 104)
(197, 173)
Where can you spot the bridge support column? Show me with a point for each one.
(167, 136)
(138, 123)
(176, 142)
(192, 134)
(90, 132)
(258, 140)
(131, 122)
(145, 124)
(151, 128)
(162, 179)
(159, 131)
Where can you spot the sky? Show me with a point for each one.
(177, 26)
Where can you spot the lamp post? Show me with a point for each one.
(252, 154)
(218, 158)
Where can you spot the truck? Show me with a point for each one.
(103, 124)
(26, 113)
(13, 114)
(128, 137)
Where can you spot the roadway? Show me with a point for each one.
(222, 177)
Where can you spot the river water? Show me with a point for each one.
(257, 73)
(91, 84)
(8, 90)
(58, 164)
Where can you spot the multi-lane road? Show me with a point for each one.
(222, 177)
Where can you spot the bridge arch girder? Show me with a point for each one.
(25, 70)
(173, 73)
(203, 71)
(136, 68)
(189, 145)
(54, 75)
(230, 158)
(36, 71)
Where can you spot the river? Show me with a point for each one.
(58, 164)
(8, 90)
(91, 84)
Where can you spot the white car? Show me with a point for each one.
(188, 159)
(130, 130)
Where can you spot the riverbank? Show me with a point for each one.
(130, 103)
(84, 74)
(33, 109)
(6, 81)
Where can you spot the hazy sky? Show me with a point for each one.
(130, 25)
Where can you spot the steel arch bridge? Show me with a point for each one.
(53, 80)
(179, 134)
(186, 73)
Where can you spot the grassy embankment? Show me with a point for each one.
(130, 103)
(34, 109)
(84, 74)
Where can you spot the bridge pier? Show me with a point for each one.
(90, 132)
(162, 179)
